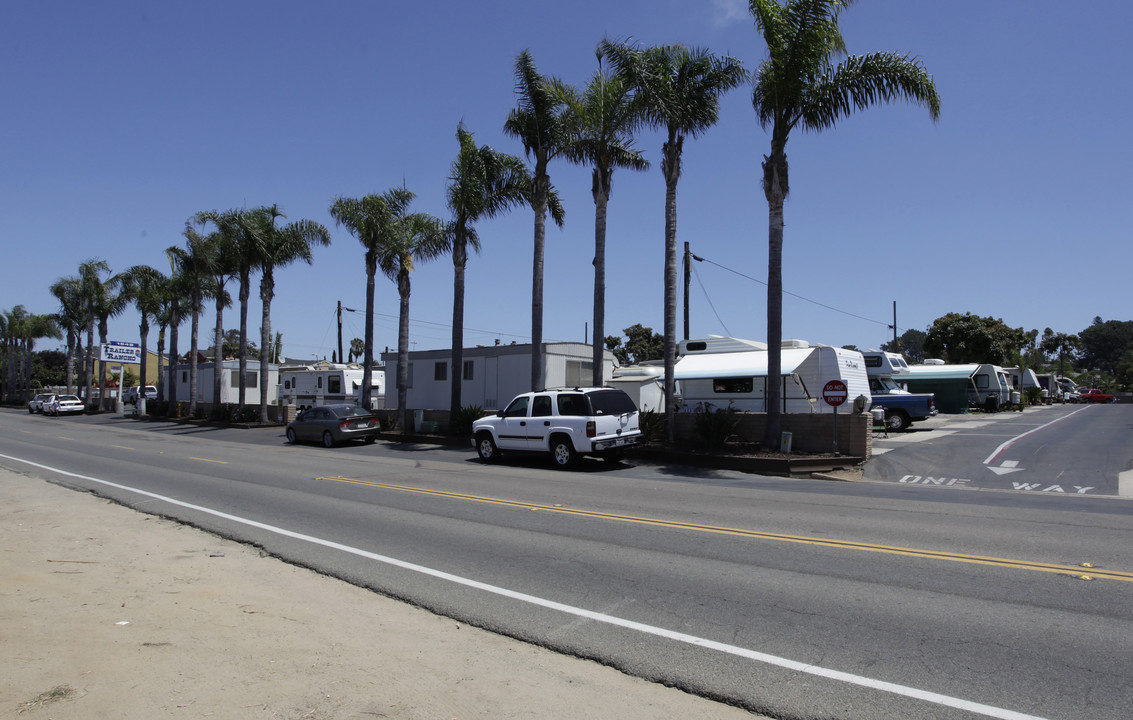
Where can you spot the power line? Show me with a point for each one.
(795, 295)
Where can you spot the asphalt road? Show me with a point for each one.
(1058, 449)
(793, 598)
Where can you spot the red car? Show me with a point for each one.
(1096, 396)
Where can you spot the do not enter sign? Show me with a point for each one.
(834, 393)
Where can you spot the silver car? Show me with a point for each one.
(334, 424)
(35, 405)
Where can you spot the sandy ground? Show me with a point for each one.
(109, 613)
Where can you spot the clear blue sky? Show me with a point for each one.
(122, 119)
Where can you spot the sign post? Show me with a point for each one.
(835, 393)
(124, 353)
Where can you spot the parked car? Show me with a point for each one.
(35, 405)
(1094, 395)
(334, 424)
(131, 396)
(565, 423)
(63, 405)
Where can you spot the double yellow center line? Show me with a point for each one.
(1083, 572)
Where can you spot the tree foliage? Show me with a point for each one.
(910, 344)
(970, 338)
(642, 344)
(1106, 345)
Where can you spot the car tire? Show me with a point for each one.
(328, 439)
(486, 448)
(897, 420)
(563, 453)
(291, 437)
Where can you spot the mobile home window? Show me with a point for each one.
(251, 380)
(468, 369)
(440, 371)
(319, 382)
(334, 384)
(577, 370)
(732, 385)
(981, 382)
(184, 376)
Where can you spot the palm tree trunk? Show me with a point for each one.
(245, 291)
(459, 263)
(142, 378)
(774, 190)
(161, 363)
(219, 354)
(70, 361)
(368, 353)
(194, 349)
(174, 324)
(103, 331)
(671, 169)
(403, 351)
(539, 202)
(601, 200)
(267, 291)
(88, 362)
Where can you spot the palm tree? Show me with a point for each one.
(371, 219)
(278, 247)
(236, 224)
(70, 317)
(680, 91)
(194, 266)
(799, 86)
(103, 301)
(414, 239)
(146, 287)
(36, 327)
(605, 116)
(482, 183)
(224, 264)
(538, 124)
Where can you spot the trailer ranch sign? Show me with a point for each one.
(121, 352)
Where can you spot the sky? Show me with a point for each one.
(121, 120)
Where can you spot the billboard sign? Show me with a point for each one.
(121, 352)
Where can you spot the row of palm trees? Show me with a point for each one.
(671, 88)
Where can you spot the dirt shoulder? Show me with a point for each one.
(113, 613)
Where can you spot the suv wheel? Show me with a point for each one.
(486, 448)
(562, 452)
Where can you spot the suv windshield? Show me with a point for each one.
(611, 402)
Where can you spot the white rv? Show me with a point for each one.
(726, 372)
(644, 383)
(329, 384)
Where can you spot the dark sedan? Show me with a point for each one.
(334, 424)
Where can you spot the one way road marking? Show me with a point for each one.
(1008, 466)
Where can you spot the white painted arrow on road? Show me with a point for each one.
(1008, 466)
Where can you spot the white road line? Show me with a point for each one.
(849, 678)
(995, 453)
(1125, 483)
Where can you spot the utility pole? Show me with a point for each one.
(340, 331)
(688, 270)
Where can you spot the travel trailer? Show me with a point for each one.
(644, 383)
(721, 372)
(329, 384)
(959, 387)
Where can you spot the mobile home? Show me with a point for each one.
(644, 383)
(720, 372)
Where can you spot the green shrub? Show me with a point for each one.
(461, 423)
(654, 426)
(713, 427)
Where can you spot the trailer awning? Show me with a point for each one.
(736, 364)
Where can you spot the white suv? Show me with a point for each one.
(566, 423)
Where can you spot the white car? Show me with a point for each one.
(565, 423)
(63, 405)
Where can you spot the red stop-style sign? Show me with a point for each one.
(834, 393)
